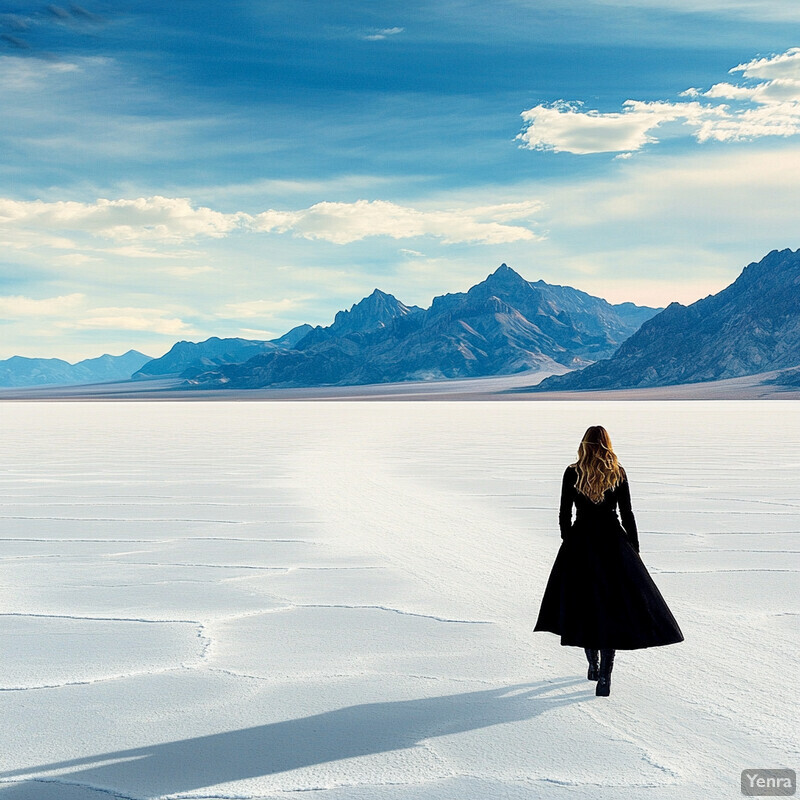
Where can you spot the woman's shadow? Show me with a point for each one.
(187, 764)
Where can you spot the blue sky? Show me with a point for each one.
(177, 171)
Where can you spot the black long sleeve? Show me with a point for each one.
(626, 514)
(565, 508)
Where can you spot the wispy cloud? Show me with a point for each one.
(765, 102)
(20, 74)
(39, 20)
(747, 9)
(91, 113)
(14, 41)
(382, 33)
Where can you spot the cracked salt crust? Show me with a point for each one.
(320, 634)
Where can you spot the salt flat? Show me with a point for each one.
(249, 600)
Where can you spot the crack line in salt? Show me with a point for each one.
(67, 782)
(715, 571)
(396, 611)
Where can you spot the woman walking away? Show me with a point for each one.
(599, 595)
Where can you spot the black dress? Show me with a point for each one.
(599, 593)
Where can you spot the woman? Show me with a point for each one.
(599, 595)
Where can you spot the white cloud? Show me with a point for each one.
(769, 107)
(16, 306)
(21, 74)
(566, 127)
(786, 65)
(175, 220)
(507, 212)
(726, 91)
(143, 251)
(146, 218)
(382, 33)
(343, 223)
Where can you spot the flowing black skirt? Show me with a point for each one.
(600, 595)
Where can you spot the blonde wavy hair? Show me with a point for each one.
(597, 465)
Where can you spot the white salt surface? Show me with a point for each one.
(250, 600)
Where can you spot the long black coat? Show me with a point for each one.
(599, 593)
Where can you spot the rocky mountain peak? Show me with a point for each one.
(373, 311)
(505, 278)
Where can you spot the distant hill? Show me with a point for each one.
(193, 355)
(188, 358)
(21, 371)
(502, 325)
(751, 326)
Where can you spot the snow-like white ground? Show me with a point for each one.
(251, 600)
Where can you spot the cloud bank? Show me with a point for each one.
(343, 223)
(173, 220)
(764, 102)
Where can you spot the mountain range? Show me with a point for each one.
(502, 325)
(22, 371)
(751, 326)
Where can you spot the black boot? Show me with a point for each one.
(592, 656)
(604, 679)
